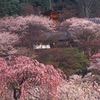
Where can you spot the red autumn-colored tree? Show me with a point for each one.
(18, 74)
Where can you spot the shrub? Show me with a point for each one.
(70, 60)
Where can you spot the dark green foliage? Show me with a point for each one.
(13, 7)
(10, 7)
(42, 3)
(70, 60)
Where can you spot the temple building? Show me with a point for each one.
(53, 16)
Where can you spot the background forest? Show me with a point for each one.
(75, 8)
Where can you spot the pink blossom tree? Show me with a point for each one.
(78, 28)
(21, 74)
(87, 35)
(20, 24)
(30, 29)
(85, 88)
(80, 89)
(7, 42)
(88, 42)
(94, 69)
(65, 25)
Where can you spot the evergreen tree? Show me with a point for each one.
(11, 7)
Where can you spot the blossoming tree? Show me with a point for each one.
(18, 74)
(7, 42)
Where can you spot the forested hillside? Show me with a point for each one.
(76, 8)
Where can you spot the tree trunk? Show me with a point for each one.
(17, 93)
(85, 7)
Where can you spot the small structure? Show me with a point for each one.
(41, 46)
(53, 16)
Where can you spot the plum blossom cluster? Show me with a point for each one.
(20, 23)
(66, 24)
(21, 75)
(72, 20)
(95, 58)
(6, 38)
(76, 26)
(22, 31)
(79, 27)
(80, 89)
(7, 42)
(95, 20)
(12, 24)
(95, 63)
(94, 68)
